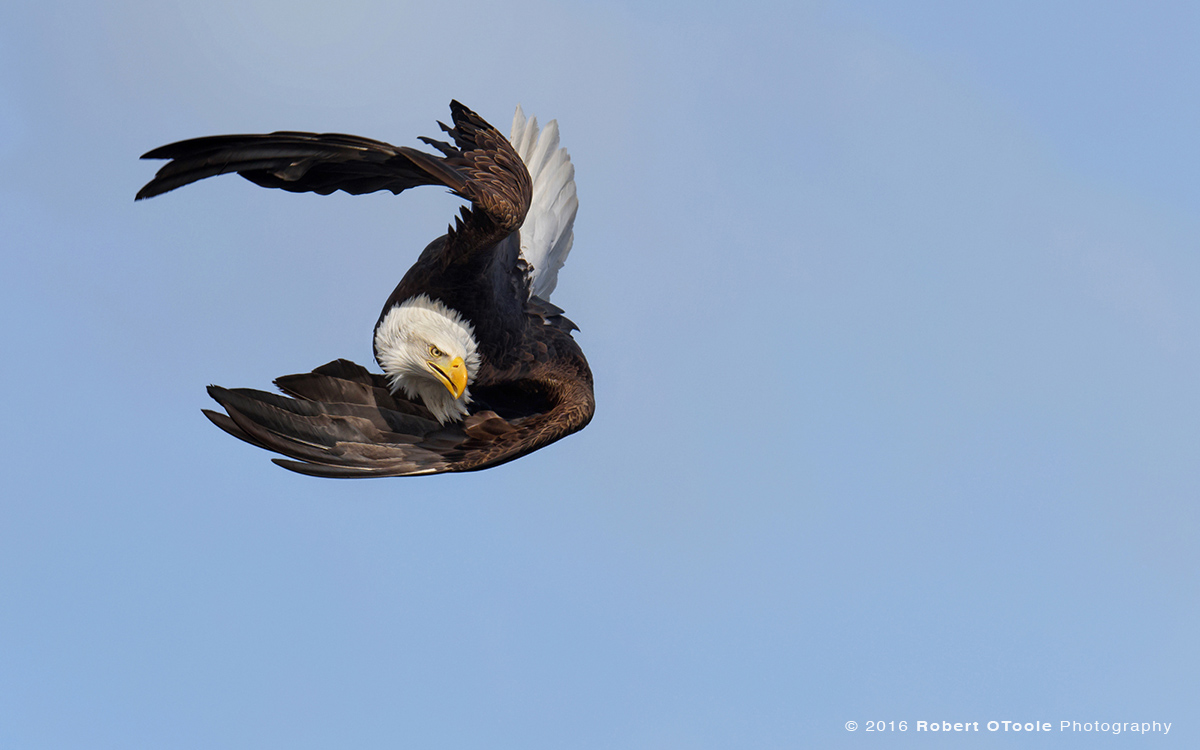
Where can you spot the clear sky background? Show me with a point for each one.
(894, 312)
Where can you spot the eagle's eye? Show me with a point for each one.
(435, 352)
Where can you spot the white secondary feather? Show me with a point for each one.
(547, 233)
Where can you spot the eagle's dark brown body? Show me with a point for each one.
(533, 385)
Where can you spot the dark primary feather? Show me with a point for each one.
(481, 167)
(340, 420)
(299, 162)
(343, 422)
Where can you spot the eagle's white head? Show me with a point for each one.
(428, 351)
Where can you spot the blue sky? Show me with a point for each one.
(893, 315)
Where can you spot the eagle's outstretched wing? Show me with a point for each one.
(481, 166)
(343, 422)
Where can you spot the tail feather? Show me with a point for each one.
(548, 231)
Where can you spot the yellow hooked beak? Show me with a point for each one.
(454, 377)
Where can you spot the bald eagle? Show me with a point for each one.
(479, 368)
